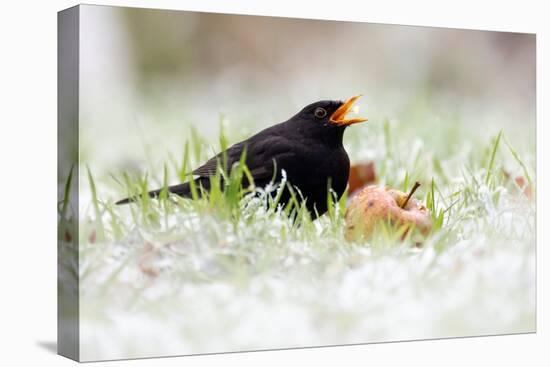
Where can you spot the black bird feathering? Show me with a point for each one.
(308, 147)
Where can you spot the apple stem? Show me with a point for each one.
(416, 186)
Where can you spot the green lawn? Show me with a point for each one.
(232, 272)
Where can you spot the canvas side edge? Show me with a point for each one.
(68, 328)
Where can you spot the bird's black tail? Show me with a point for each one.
(183, 190)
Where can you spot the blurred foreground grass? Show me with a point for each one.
(232, 272)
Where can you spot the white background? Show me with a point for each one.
(28, 181)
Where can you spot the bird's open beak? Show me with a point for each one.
(339, 116)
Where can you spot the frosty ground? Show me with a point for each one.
(232, 272)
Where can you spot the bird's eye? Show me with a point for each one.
(320, 112)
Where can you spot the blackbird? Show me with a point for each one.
(308, 147)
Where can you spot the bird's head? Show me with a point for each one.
(327, 118)
(331, 113)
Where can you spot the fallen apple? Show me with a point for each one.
(375, 205)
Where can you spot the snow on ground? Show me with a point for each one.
(206, 285)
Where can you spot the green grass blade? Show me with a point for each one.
(100, 230)
(489, 171)
(520, 161)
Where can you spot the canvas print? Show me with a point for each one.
(235, 183)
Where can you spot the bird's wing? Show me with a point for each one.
(263, 157)
(233, 154)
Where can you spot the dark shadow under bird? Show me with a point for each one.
(308, 147)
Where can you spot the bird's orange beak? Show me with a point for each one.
(339, 116)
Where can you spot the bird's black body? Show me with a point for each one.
(308, 147)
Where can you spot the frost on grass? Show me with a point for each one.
(196, 276)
